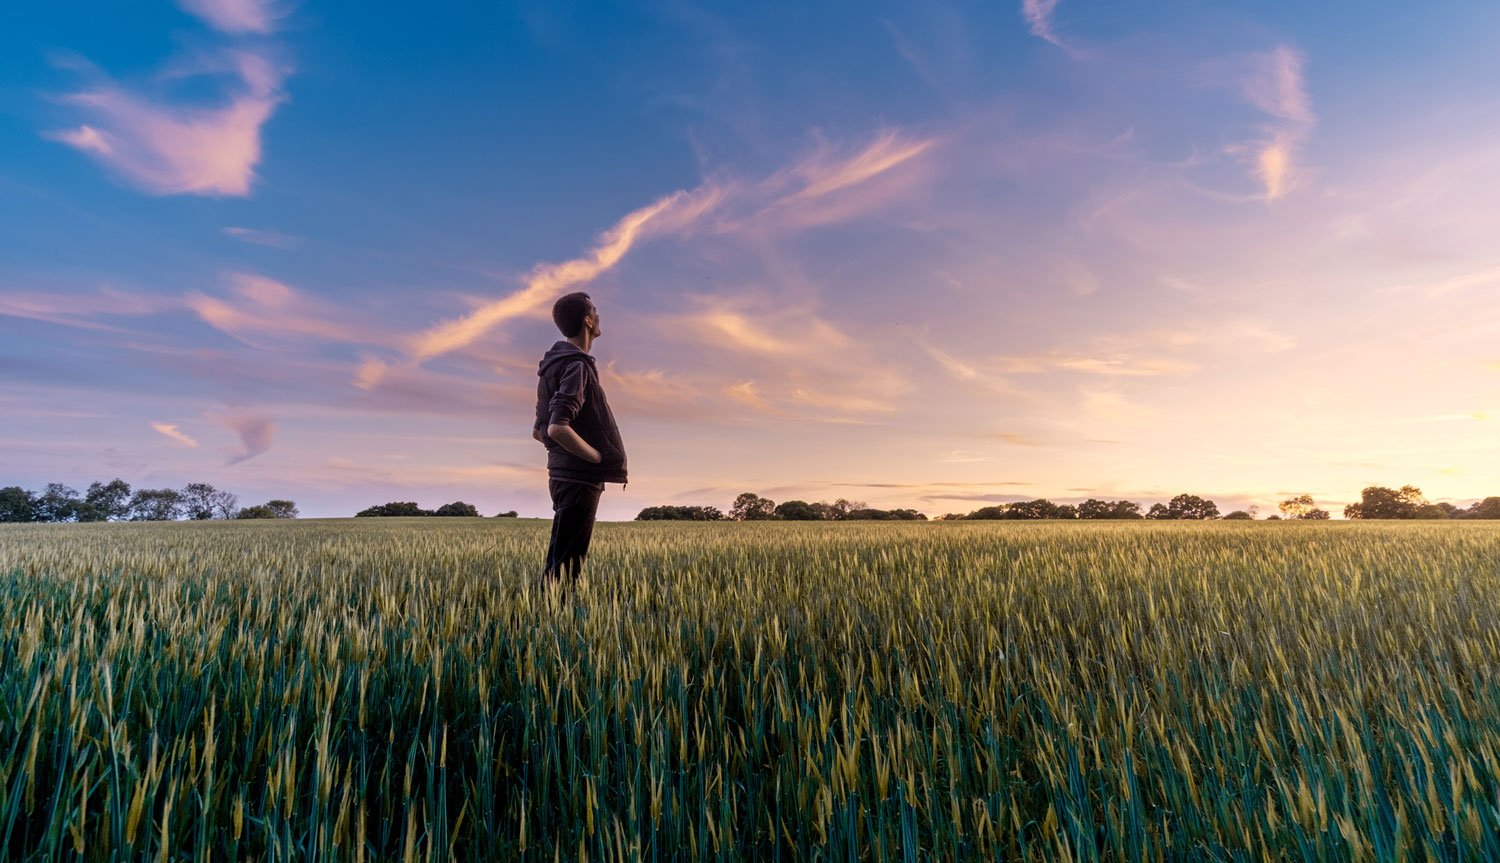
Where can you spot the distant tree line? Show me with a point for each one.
(752, 507)
(1408, 502)
(1375, 502)
(114, 501)
(1182, 507)
(406, 508)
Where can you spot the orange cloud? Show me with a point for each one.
(675, 212)
(653, 393)
(371, 370)
(172, 432)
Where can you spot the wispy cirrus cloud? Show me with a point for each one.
(165, 147)
(1123, 365)
(675, 212)
(826, 173)
(274, 239)
(1275, 85)
(833, 184)
(236, 16)
(263, 311)
(654, 393)
(786, 198)
(174, 433)
(77, 309)
(1038, 15)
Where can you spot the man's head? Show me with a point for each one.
(575, 314)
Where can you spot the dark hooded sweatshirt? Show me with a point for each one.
(568, 393)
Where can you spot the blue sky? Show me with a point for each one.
(930, 255)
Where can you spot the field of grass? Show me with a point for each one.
(394, 689)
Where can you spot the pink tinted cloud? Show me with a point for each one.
(1038, 15)
(74, 310)
(256, 434)
(264, 311)
(653, 393)
(174, 149)
(273, 239)
(823, 175)
(833, 185)
(235, 16)
(1276, 86)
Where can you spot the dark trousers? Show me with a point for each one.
(574, 505)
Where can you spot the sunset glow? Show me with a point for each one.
(928, 255)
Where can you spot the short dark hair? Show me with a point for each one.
(569, 311)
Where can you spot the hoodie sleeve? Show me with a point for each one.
(543, 405)
(568, 399)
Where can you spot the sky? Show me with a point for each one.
(935, 255)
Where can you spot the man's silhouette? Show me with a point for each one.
(574, 422)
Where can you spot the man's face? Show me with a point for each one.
(591, 321)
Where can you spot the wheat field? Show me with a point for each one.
(401, 689)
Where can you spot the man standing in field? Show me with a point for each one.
(574, 422)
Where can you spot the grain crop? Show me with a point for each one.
(402, 689)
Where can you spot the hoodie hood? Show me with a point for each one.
(562, 351)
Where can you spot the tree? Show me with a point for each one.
(106, 501)
(198, 499)
(1039, 508)
(1030, 509)
(987, 513)
(1191, 507)
(226, 504)
(1302, 507)
(1430, 511)
(17, 504)
(1377, 501)
(57, 503)
(843, 506)
(458, 508)
(285, 508)
(1487, 508)
(394, 509)
(680, 513)
(752, 507)
(1120, 509)
(1294, 507)
(867, 514)
(797, 510)
(1239, 515)
(258, 511)
(155, 504)
(510, 513)
(1158, 510)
